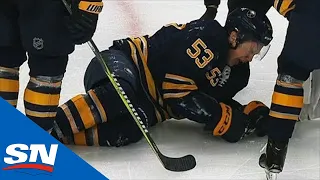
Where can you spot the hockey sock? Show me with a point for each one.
(88, 137)
(9, 85)
(287, 101)
(80, 113)
(41, 99)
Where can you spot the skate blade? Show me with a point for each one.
(270, 175)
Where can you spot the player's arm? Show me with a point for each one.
(231, 123)
(216, 117)
(285, 7)
(227, 119)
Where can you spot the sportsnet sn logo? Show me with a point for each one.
(33, 157)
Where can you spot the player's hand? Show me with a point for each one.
(274, 157)
(210, 13)
(83, 21)
(258, 114)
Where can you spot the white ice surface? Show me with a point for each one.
(216, 159)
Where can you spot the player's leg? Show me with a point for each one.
(294, 66)
(47, 42)
(120, 131)
(97, 106)
(102, 107)
(12, 54)
(287, 102)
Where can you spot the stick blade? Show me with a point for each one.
(184, 163)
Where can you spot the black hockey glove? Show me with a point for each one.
(210, 13)
(273, 160)
(83, 21)
(258, 114)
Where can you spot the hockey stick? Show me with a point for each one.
(173, 164)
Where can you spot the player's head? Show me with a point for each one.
(250, 34)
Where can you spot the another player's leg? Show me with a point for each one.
(13, 58)
(294, 67)
(12, 54)
(46, 39)
(42, 94)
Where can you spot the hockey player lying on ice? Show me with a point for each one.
(294, 67)
(188, 71)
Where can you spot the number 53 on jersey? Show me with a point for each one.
(197, 47)
(201, 59)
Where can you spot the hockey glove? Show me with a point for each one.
(210, 13)
(258, 114)
(83, 21)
